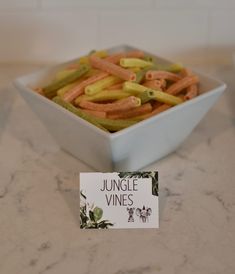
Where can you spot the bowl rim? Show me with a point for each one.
(20, 86)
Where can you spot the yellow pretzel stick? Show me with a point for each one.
(101, 85)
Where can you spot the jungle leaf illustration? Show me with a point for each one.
(104, 224)
(98, 213)
(91, 215)
(143, 174)
(91, 219)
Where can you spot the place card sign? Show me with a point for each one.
(119, 200)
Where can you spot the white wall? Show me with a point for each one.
(56, 30)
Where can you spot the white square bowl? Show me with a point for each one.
(131, 148)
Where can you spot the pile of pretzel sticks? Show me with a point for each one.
(115, 91)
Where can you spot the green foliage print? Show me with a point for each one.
(143, 174)
(90, 216)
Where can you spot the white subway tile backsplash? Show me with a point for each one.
(56, 30)
(97, 4)
(17, 4)
(209, 4)
(46, 37)
(168, 33)
(222, 28)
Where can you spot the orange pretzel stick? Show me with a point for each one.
(123, 104)
(192, 91)
(156, 104)
(143, 109)
(100, 114)
(177, 87)
(115, 58)
(155, 84)
(113, 69)
(161, 74)
(116, 86)
(39, 90)
(156, 111)
(160, 109)
(79, 89)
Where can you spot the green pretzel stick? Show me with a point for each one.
(58, 100)
(50, 90)
(102, 123)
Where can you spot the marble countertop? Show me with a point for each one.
(39, 210)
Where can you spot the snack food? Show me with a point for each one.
(115, 91)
